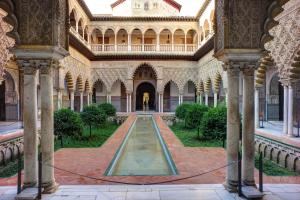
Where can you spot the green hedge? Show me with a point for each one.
(194, 115)
(68, 123)
(108, 108)
(182, 110)
(213, 123)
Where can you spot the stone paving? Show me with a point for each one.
(157, 192)
(189, 161)
(273, 130)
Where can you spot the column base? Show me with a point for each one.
(231, 186)
(249, 183)
(49, 188)
(29, 185)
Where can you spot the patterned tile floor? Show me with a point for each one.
(157, 192)
(189, 161)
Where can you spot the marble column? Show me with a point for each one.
(47, 129)
(201, 99)
(290, 112)
(127, 102)
(179, 99)
(30, 125)
(159, 103)
(215, 99)
(130, 109)
(88, 98)
(81, 101)
(248, 150)
(256, 114)
(71, 99)
(59, 99)
(233, 128)
(162, 103)
(285, 109)
(206, 98)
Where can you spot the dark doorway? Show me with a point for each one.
(275, 100)
(2, 101)
(281, 99)
(141, 89)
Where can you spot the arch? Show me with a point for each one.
(179, 36)
(189, 91)
(69, 84)
(119, 96)
(134, 72)
(145, 87)
(217, 82)
(201, 87)
(96, 36)
(165, 36)
(207, 85)
(191, 40)
(150, 40)
(136, 40)
(85, 34)
(170, 96)
(73, 18)
(212, 19)
(109, 36)
(87, 87)
(79, 84)
(201, 34)
(80, 27)
(275, 99)
(206, 28)
(179, 40)
(99, 91)
(122, 36)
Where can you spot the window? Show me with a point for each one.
(191, 87)
(146, 6)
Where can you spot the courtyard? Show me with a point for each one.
(149, 99)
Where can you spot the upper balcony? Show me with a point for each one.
(136, 41)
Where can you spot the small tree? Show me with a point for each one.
(108, 108)
(182, 110)
(92, 116)
(67, 122)
(194, 115)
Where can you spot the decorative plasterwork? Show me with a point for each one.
(286, 42)
(76, 69)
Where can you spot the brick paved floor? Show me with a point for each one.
(189, 161)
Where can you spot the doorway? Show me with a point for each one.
(141, 89)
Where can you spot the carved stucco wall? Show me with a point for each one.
(210, 69)
(179, 72)
(286, 43)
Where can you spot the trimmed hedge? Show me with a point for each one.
(182, 110)
(194, 115)
(67, 122)
(213, 123)
(108, 108)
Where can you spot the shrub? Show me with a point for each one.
(194, 115)
(213, 123)
(67, 122)
(182, 110)
(108, 108)
(93, 116)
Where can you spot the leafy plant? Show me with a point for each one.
(108, 109)
(194, 115)
(67, 122)
(213, 123)
(93, 116)
(182, 110)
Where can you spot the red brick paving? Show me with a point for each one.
(188, 160)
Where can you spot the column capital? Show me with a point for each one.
(248, 71)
